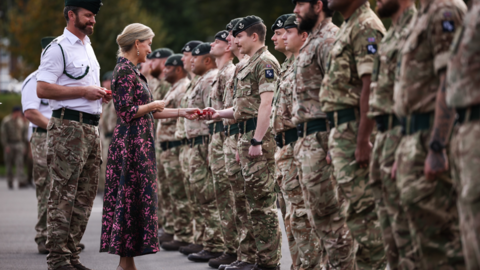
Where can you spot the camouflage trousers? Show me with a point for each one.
(353, 181)
(323, 202)
(73, 160)
(430, 207)
(181, 210)
(223, 192)
(15, 158)
(165, 207)
(101, 179)
(247, 248)
(393, 221)
(201, 183)
(38, 143)
(305, 247)
(465, 171)
(259, 175)
(196, 221)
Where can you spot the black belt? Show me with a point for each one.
(343, 116)
(386, 122)
(38, 130)
(417, 122)
(184, 141)
(169, 145)
(247, 126)
(468, 114)
(215, 128)
(231, 130)
(286, 137)
(198, 140)
(310, 127)
(90, 119)
(109, 135)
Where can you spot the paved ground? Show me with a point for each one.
(18, 250)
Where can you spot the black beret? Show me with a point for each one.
(291, 22)
(246, 23)
(280, 22)
(311, 1)
(175, 60)
(107, 76)
(92, 5)
(222, 35)
(191, 45)
(45, 41)
(201, 49)
(161, 53)
(232, 24)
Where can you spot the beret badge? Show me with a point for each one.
(280, 23)
(241, 25)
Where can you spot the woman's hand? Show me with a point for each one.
(157, 105)
(190, 113)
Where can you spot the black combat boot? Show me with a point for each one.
(258, 267)
(165, 237)
(192, 248)
(204, 256)
(41, 248)
(225, 259)
(240, 266)
(174, 245)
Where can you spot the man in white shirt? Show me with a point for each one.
(69, 77)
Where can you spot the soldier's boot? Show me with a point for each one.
(192, 248)
(225, 259)
(204, 256)
(65, 267)
(79, 266)
(41, 248)
(165, 237)
(23, 185)
(223, 266)
(240, 266)
(81, 246)
(174, 245)
(10, 185)
(258, 267)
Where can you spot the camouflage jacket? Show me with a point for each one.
(180, 130)
(228, 94)
(425, 54)
(351, 57)
(256, 77)
(219, 85)
(310, 71)
(166, 128)
(383, 76)
(108, 122)
(12, 130)
(281, 117)
(463, 69)
(198, 98)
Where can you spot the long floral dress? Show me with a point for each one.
(130, 222)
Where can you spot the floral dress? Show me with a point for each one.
(130, 222)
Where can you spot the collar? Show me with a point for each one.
(406, 16)
(360, 10)
(73, 39)
(182, 80)
(256, 55)
(319, 27)
(227, 65)
(123, 60)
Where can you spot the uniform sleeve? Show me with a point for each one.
(30, 99)
(442, 26)
(206, 92)
(51, 65)
(124, 94)
(267, 75)
(323, 52)
(365, 49)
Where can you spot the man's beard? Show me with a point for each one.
(156, 72)
(388, 9)
(308, 21)
(83, 27)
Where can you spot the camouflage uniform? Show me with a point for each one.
(216, 159)
(38, 143)
(429, 205)
(182, 212)
(14, 137)
(352, 57)
(201, 180)
(462, 93)
(107, 125)
(393, 221)
(320, 191)
(258, 76)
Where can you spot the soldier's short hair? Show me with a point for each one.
(328, 12)
(260, 29)
(67, 9)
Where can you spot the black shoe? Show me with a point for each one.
(204, 256)
(41, 248)
(225, 259)
(240, 266)
(258, 267)
(23, 185)
(79, 266)
(223, 266)
(81, 246)
(166, 237)
(65, 267)
(174, 245)
(192, 248)
(10, 185)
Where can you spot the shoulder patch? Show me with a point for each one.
(371, 39)
(269, 74)
(448, 26)
(268, 66)
(372, 48)
(447, 14)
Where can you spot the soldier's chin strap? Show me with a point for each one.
(65, 70)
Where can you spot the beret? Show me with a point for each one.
(222, 35)
(311, 1)
(246, 23)
(161, 53)
(291, 22)
(280, 22)
(175, 60)
(191, 45)
(92, 5)
(201, 49)
(45, 41)
(232, 24)
(107, 76)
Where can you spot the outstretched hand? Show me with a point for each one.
(191, 113)
(209, 114)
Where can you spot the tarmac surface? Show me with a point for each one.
(18, 250)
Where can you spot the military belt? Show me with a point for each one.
(417, 122)
(85, 118)
(169, 145)
(387, 122)
(198, 140)
(247, 126)
(339, 117)
(286, 137)
(310, 127)
(215, 128)
(39, 130)
(230, 130)
(185, 141)
(468, 114)
(109, 135)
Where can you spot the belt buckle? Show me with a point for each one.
(300, 130)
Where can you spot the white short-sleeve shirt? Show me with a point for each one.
(30, 99)
(78, 56)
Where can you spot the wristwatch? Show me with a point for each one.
(436, 146)
(255, 142)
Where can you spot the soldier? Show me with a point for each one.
(393, 221)
(462, 94)
(344, 96)
(69, 76)
(426, 192)
(253, 92)
(176, 75)
(13, 142)
(107, 125)
(216, 158)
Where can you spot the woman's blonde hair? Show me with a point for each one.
(131, 33)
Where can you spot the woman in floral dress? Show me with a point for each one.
(130, 222)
